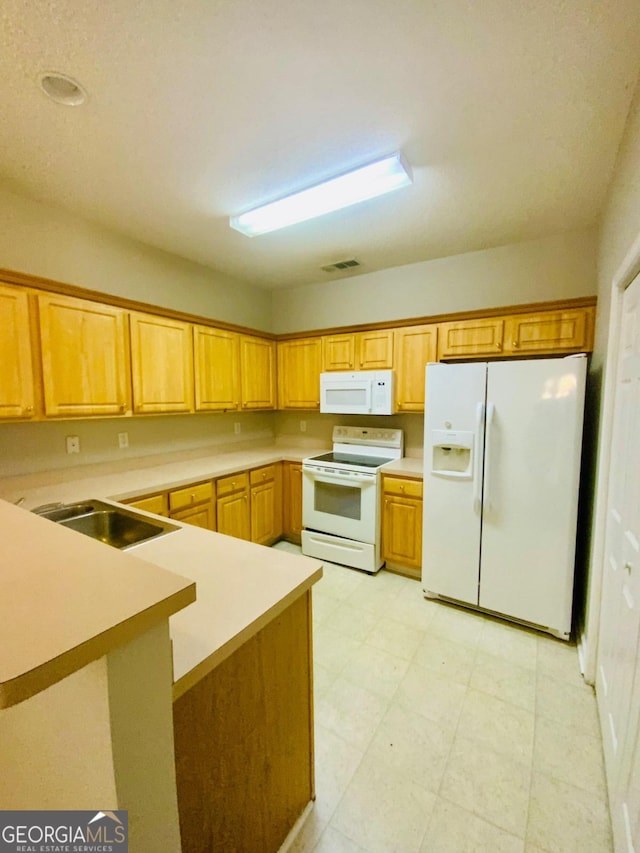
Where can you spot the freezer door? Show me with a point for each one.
(532, 468)
(454, 423)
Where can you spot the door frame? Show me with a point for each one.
(588, 640)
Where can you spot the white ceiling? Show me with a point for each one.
(509, 111)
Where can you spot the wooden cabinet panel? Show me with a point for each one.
(402, 522)
(161, 364)
(200, 516)
(550, 332)
(299, 365)
(190, 495)
(339, 352)
(257, 372)
(375, 350)
(17, 393)
(216, 354)
(84, 357)
(266, 504)
(358, 351)
(153, 503)
(233, 515)
(469, 338)
(292, 501)
(415, 347)
(233, 483)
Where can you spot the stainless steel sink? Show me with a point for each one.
(116, 526)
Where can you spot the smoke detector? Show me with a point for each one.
(341, 266)
(62, 89)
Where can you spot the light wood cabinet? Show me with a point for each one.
(266, 504)
(161, 364)
(415, 347)
(549, 332)
(232, 505)
(481, 338)
(84, 346)
(157, 504)
(292, 501)
(299, 366)
(17, 392)
(194, 504)
(216, 358)
(258, 373)
(371, 350)
(402, 523)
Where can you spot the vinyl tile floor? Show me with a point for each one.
(439, 729)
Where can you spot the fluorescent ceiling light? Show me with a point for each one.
(367, 182)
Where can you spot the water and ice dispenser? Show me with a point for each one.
(452, 453)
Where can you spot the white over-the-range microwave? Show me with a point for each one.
(362, 392)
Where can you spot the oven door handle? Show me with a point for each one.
(354, 479)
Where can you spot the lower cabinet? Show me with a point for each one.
(266, 504)
(232, 505)
(157, 504)
(194, 504)
(402, 524)
(292, 501)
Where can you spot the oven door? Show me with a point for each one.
(343, 503)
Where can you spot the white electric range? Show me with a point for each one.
(341, 496)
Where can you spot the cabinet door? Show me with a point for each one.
(375, 350)
(299, 363)
(233, 515)
(415, 347)
(84, 357)
(549, 332)
(402, 531)
(17, 397)
(200, 516)
(292, 501)
(216, 354)
(161, 364)
(468, 338)
(339, 352)
(258, 374)
(266, 504)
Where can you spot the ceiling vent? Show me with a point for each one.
(341, 266)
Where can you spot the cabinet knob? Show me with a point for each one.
(193, 497)
(498, 346)
(402, 488)
(122, 407)
(514, 344)
(28, 409)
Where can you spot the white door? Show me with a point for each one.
(618, 663)
(455, 396)
(533, 444)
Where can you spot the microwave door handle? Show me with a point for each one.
(369, 400)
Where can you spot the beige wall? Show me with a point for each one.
(558, 267)
(45, 240)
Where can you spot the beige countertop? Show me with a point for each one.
(240, 586)
(67, 600)
(408, 465)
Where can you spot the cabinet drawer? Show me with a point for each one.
(153, 503)
(190, 495)
(262, 475)
(407, 488)
(233, 483)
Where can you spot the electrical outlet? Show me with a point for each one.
(303, 426)
(237, 428)
(73, 444)
(123, 440)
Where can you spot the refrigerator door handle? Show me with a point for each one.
(477, 465)
(488, 502)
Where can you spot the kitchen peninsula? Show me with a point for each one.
(241, 658)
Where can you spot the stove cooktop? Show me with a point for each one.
(347, 459)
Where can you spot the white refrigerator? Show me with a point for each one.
(501, 475)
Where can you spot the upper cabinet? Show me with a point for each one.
(480, 337)
(372, 350)
(415, 347)
(258, 373)
(17, 397)
(216, 355)
(85, 368)
(299, 366)
(549, 332)
(161, 364)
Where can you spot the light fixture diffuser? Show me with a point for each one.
(369, 181)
